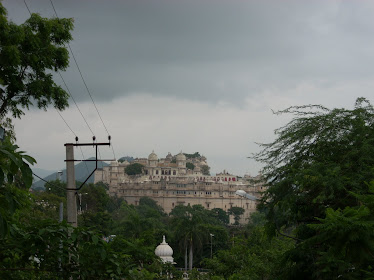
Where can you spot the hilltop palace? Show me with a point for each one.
(169, 182)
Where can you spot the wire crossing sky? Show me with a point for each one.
(201, 75)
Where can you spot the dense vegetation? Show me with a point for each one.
(190, 165)
(134, 169)
(315, 220)
(194, 155)
(320, 176)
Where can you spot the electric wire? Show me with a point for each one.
(24, 1)
(61, 188)
(98, 150)
(75, 136)
(88, 172)
(68, 90)
(66, 122)
(84, 82)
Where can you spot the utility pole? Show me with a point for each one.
(71, 189)
(71, 206)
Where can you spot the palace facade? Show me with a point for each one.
(169, 182)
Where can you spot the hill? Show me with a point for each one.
(128, 158)
(81, 173)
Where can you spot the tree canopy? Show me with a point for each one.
(190, 165)
(315, 164)
(134, 169)
(28, 54)
(194, 155)
(205, 169)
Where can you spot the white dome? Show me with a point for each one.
(181, 157)
(152, 156)
(240, 192)
(164, 251)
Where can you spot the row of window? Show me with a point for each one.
(180, 192)
(207, 204)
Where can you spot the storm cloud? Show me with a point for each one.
(213, 51)
(202, 75)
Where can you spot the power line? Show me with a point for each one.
(67, 88)
(84, 82)
(84, 160)
(24, 1)
(66, 122)
(76, 137)
(61, 188)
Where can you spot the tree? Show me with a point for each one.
(252, 255)
(345, 240)
(190, 165)
(205, 169)
(56, 187)
(49, 250)
(134, 169)
(28, 54)
(194, 155)
(190, 225)
(316, 161)
(220, 215)
(15, 180)
(236, 212)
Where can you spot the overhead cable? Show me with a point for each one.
(84, 82)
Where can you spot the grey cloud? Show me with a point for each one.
(214, 50)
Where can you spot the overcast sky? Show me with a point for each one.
(199, 75)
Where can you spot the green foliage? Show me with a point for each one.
(221, 215)
(14, 166)
(42, 205)
(194, 155)
(28, 54)
(316, 162)
(134, 169)
(190, 165)
(205, 170)
(7, 125)
(345, 240)
(126, 158)
(15, 177)
(236, 212)
(56, 187)
(47, 250)
(193, 226)
(253, 255)
(94, 197)
(145, 221)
